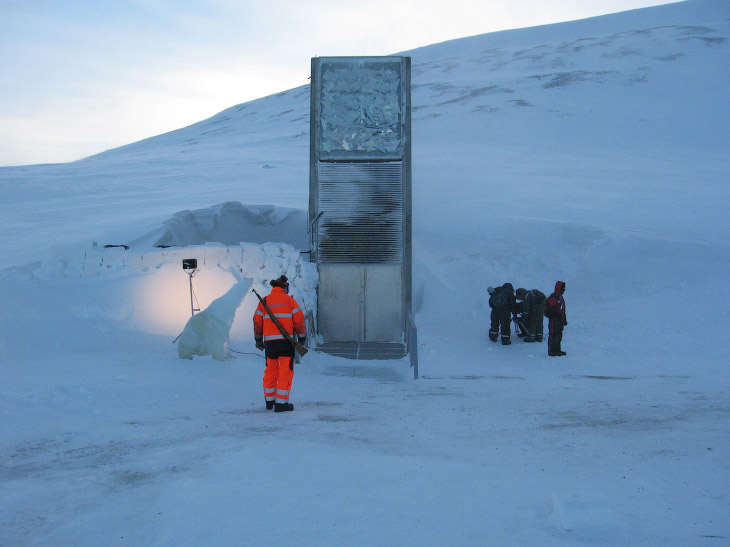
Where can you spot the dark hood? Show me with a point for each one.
(559, 287)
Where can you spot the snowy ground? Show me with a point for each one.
(594, 152)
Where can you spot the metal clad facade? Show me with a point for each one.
(360, 196)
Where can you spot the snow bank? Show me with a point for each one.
(230, 223)
(230, 241)
(154, 289)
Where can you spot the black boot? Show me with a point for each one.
(269, 405)
(283, 407)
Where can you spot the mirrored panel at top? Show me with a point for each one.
(360, 107)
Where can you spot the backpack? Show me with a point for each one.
(537, 297)
(498, 299)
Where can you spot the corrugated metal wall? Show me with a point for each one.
(362, 206)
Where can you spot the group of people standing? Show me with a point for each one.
(527, 309)
(278, 318)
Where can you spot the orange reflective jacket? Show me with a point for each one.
(285, 309)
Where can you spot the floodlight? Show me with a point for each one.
(190, 266)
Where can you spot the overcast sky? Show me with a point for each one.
(78, 77)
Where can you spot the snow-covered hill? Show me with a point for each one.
(595, 152)
(576, 110)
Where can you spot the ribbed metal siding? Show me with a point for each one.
(362, 206)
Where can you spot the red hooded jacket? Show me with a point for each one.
(556, 303)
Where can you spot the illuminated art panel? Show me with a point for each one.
(360, 109)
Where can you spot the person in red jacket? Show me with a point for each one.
(279, 371)
(555, 312)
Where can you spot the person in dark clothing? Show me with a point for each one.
(502, 302)
(557, 320)
(494, 303)
(532, 316)
(522, 313)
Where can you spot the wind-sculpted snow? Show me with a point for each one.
(230, 223)
(624, 58)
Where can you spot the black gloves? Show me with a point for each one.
(302, 340)
(260, 344)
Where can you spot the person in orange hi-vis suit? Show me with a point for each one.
(279, 351)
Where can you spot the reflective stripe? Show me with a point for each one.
(274, 337)
(266, 316)
(259, 313)
(282, 392)
(296, 310)
(269, 390)
(278, 400)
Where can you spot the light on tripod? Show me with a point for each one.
(190, 266)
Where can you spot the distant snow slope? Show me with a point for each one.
(624, 116)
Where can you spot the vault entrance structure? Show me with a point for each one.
(360, 204)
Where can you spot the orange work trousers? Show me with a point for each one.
(278, 378)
